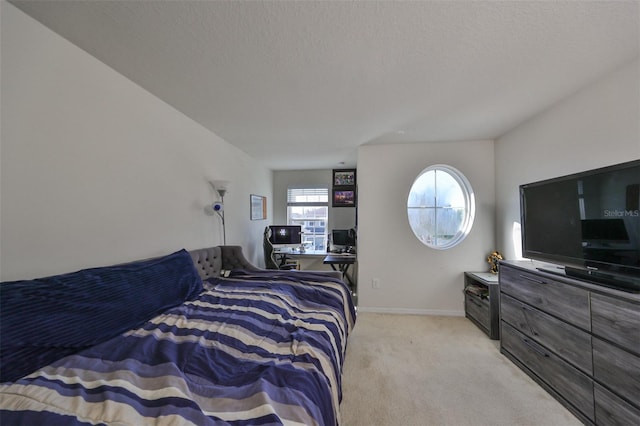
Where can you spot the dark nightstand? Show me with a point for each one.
(482, 301)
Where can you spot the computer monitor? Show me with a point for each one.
(286, 235)
(342, 239)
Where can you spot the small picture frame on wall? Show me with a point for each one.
(344, 177)
(258, 207)
(344, 198)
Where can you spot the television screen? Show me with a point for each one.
(588, 220)
(604, 231)
(343, 237)
(286, 235)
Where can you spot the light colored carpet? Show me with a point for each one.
(425, 370)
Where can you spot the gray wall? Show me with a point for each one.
(414, 278)
(596, 127)
(95, 170)
(339, 217)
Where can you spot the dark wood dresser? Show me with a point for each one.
(580, 341)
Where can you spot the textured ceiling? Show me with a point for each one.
(302, 84)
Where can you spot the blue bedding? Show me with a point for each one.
(48, 318)
(253, 348)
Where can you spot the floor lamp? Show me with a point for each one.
(218, 207)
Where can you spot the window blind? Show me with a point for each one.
(307, 196)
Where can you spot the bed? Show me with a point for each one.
(188, 338)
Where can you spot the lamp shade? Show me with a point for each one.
(220, 186)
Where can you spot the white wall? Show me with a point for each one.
(95, 170)
(414, 278)
(284, 179)
(596, 127)
(339, 217)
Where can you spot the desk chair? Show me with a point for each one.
(270, 261)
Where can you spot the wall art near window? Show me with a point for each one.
(344, 198)
(344, 177)
(258, 206)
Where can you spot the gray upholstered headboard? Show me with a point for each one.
(208, 261)
(211, 261)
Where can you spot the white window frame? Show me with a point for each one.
(468, 203)
(317, 196)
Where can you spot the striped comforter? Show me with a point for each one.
(253, 348)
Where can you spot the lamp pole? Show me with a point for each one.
(221, 192)
(224, 230)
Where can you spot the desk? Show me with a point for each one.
(284, 255)
(342, 261)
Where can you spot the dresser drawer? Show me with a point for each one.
(570, 343)
(617, 321)
(561, 300)
(617, 369)
(574, 386)
(478, 309)
(613, 411)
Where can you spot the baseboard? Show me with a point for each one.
(404, 311)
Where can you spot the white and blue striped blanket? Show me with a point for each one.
(253, 348)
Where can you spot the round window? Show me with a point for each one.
(441, 207)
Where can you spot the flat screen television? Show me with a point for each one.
(589, 223)
(286, 235)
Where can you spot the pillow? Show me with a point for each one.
(45, 319)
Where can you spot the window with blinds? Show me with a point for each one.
(309, 208)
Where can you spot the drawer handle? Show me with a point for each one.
(535, 348)
(533, 280)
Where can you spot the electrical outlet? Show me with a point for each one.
(375, 283)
